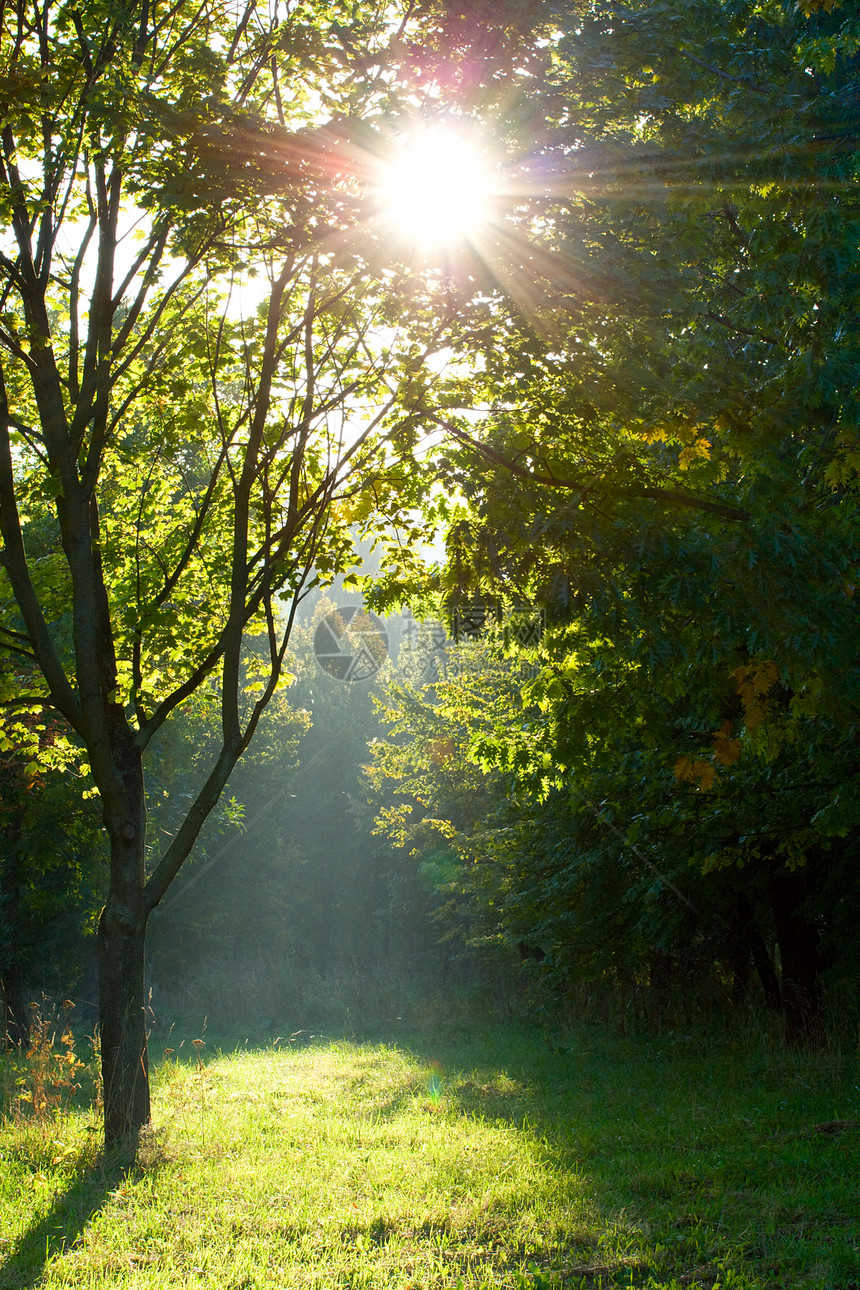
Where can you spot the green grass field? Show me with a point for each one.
(478, 1160)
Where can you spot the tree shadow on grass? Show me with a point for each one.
(686, 1157)
(57, 1230)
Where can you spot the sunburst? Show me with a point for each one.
(436, 188)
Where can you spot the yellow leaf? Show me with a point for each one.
(698, 772)
(698, 451)
(755, 681)
(726, 751)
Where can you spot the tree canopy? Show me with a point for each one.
(661, 454)
(629, 398)
(202, 364)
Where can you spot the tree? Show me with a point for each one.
(52, 861)
(192, 377)
(662, 447)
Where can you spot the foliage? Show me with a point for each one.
(52, 865)
(658, 451)
(200, 383)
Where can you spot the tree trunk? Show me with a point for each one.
(122, 958)
(122, 1017)
(766, 971)
(800, 959)
(750, 942)
(739, 961)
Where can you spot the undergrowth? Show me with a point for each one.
(41, 1082)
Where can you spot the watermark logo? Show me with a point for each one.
(351, 643)
(521, 627)
(425, 648)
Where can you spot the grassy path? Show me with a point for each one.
(443, 1162)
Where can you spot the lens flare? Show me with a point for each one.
(436, 189)
(434, 1082)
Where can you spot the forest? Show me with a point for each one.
(429, 481)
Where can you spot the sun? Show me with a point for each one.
(436, 188)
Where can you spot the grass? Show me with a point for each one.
(480, 1161)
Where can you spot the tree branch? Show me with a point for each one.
(574, 485)
(14, 560)
(746, 81)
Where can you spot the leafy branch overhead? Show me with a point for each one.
(192, 380)
(657, 448)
